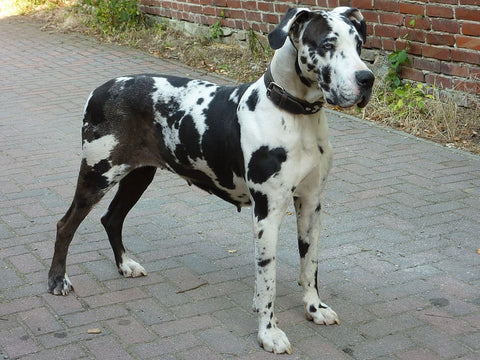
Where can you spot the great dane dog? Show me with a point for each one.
(260, 144)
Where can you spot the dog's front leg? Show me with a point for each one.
(308, 210)
(267, 221)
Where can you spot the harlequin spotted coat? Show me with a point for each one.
(261, 144)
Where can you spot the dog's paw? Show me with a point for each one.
(60, 285)
(321, 314)
(274, 340)
(130, 268)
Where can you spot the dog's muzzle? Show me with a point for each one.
(365, 79)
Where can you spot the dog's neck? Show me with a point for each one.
(285, 74)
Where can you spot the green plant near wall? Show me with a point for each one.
(410, 97)
(402, 97)
(254, 44)
(397, 60)
(115, 15)
(215, 30)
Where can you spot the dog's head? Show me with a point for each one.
(328, 47)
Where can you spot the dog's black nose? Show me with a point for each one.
(364, 78)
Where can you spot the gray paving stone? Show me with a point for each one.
(107, 348)
(68, 352)
(17, 343)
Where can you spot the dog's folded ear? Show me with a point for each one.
(356, 18)
(277, 37)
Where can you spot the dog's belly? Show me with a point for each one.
(201, 177)
(216, 167)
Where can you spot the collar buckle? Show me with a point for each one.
(273, 86)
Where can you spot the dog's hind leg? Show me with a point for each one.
(130, 189)
(91, 187)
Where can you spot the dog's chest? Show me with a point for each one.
(300, 142)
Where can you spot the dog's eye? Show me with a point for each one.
(359, 47)
(327, 46)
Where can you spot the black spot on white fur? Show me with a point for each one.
(264, 163)
(263, 263)
(302, 247)
(252, 100)
(189, 146)
(260, 208)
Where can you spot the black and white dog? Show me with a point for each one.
(260, 144)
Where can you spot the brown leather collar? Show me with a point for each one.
(280, 97)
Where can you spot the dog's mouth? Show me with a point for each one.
(363, 101)
(363, 97)
(343, 102)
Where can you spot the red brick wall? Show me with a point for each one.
(444, 39)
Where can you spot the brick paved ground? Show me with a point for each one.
(399, 249)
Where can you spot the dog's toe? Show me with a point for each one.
(274, 340)
(60, 285)
(321, 314)
(130, 268)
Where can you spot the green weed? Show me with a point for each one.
(215, 31)
(409, 96)
(255, 46)
(114, 16)
(397, 60)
